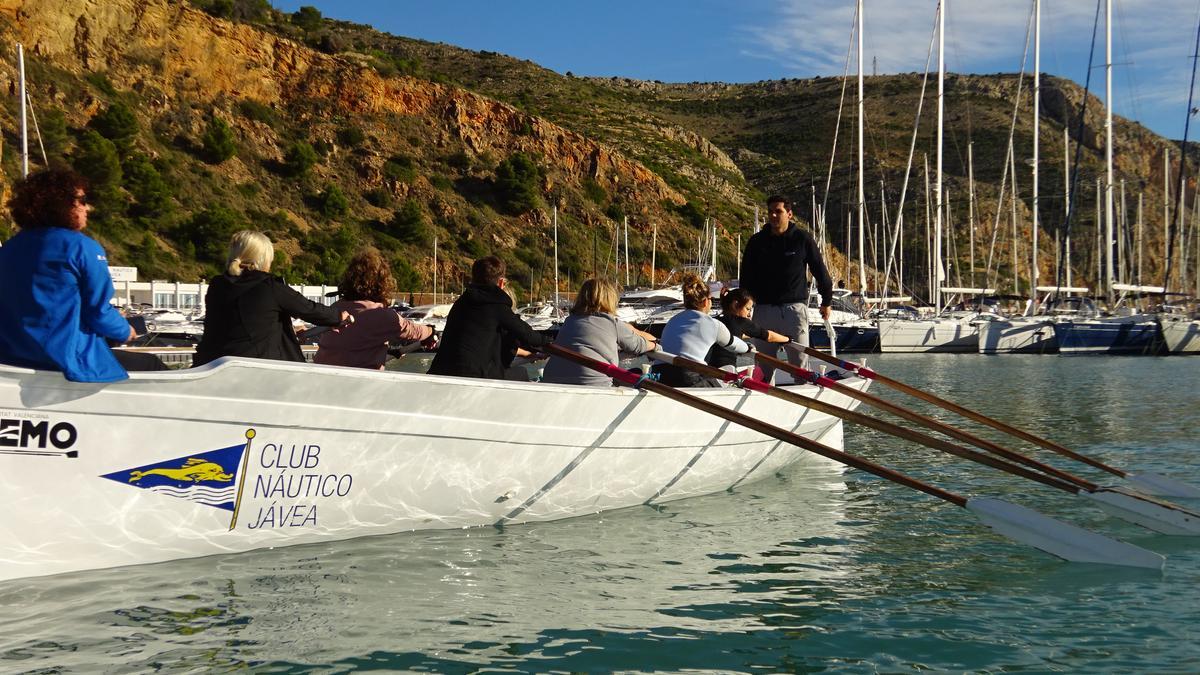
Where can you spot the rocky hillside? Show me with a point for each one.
(193, 120)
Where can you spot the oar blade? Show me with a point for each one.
(1060, 539)
(1157, 484)
(1154, 514)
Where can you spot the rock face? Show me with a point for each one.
(167, 46)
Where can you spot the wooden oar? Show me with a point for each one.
(1150, 513)
(1016, 522)
(1152, 483)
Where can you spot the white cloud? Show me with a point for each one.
(1153, 40)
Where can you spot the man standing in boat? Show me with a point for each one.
(482, 330)
(775, 269)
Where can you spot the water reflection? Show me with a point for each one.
(809, 571)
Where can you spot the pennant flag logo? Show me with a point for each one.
(209, 478)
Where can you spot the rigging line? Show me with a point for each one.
(912, 148)
(1012, 130)
(1075, 168)
(1129, 71)
(841, 104)
(1171, 227)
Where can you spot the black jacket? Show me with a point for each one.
(775, 267)
(251, 315)
(480, 324)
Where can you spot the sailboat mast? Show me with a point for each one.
(24, 101)
(556, 258)
(435, 247)
(971, 206)
(653, 254)
(862, 198)
(1108, 153)
(627, 251)
(1037, 83)
(941, 105)
(1067, 202)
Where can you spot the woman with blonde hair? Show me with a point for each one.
(367, 288)
(692, 333)
(249, 311)
(592, 329)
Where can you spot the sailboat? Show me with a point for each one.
(1128, 331)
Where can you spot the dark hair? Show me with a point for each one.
(487, 271)
(779, 199)
(368, 277)
(695, 291)
(735, 299)
(46, 199)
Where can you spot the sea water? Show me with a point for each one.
(797, 572)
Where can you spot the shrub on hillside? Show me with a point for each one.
(378, 197)
(518, 183)
(299, 158)
(332, 202)
(410, 225)
(97, 159)
(217, 142)
(53, 128)
(208, 233)
(594, 191)
(351, 136)
(259, 112)
(118, 124)
(401, 168)
(151, 194)
(306, 18)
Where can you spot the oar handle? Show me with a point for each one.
(928, 422)
(641, 381)
(965, 412)
(856, 417)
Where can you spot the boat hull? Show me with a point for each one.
(933, 335)
(1181, 335)
(851, 338)
(244, 454)
(1017, 336)
(1108, 336)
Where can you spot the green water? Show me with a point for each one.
(794, 573)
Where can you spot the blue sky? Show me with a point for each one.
(750, 40)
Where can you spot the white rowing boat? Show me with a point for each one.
(243, 454)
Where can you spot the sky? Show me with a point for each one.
(752, 40)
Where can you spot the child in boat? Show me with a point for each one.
(737, 310)
(54, 310)
(692, 334)
(480, 326)
(249, 311)
(592, 329)
(367, 288)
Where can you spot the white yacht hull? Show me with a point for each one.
(1027, 335)
(929, 335)
(1181, 335)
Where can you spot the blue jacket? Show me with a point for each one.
(54, 309)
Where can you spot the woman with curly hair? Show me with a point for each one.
(54, 311)
(367, 288)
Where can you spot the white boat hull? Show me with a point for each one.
(1181, 335)
(929, 335)
(1018, 336)
(284, 454)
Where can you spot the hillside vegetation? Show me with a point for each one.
(193, 120)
